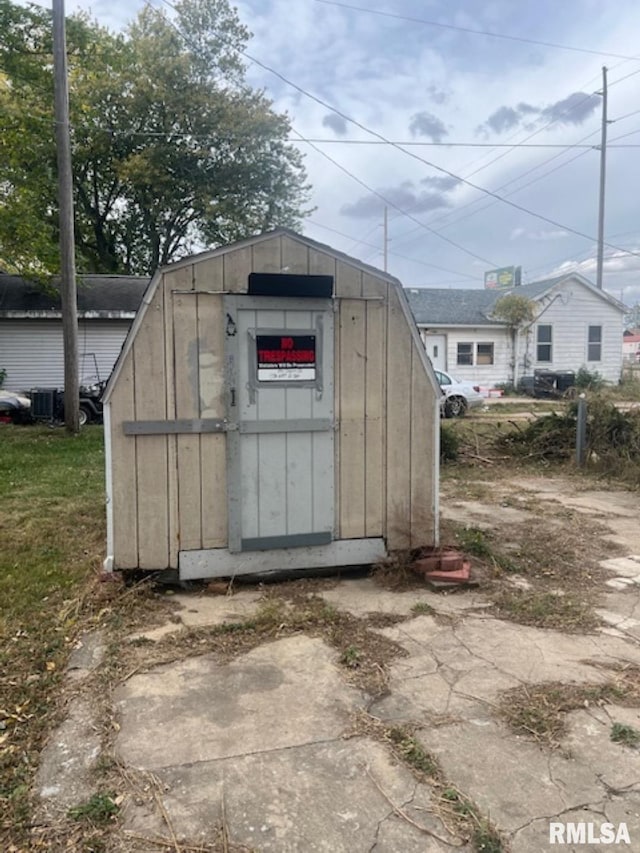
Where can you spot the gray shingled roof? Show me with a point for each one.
(450, 307)
(105, 295)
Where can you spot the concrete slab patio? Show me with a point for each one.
(270, 743)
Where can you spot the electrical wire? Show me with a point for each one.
(411, 154)
(455, 144)
(417, 157)
(472, 31)
(397, 207)
(390, 252)
(342, 168)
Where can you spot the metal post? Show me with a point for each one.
(581, 431)
(603, 168)
(68, 296)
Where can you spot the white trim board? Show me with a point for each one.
(220, 563)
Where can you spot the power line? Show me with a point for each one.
(411, 154)
(395, 254)
(454, 144)
(439, 24)
(342, 168)
(529, 171)
(396, 206)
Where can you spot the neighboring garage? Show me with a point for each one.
(31, 349)
(273, 407)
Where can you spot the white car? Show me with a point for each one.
(458, 396)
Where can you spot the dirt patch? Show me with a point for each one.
(543, 571)
(539, 711)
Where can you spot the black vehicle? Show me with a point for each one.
(47, 404)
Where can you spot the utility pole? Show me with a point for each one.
(385, 235)
(603, 168)
(68, 296)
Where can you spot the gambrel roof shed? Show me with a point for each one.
(273, 407)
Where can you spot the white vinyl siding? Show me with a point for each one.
(31, 351)
(477, 373)
(571, 308)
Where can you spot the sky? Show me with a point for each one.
(421, 73)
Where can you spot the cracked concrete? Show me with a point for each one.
(263, 739)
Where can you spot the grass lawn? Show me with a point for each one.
(52, 534)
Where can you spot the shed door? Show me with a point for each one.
(279, 359)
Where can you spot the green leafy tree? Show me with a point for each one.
(518, 312)
(172, 151)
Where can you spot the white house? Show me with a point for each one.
(576, 325)
(31, 350)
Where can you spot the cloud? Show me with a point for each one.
(441, 182)
(426, 124)
(552, 234)
(337, 124)
(503, 119)
(574, 109)
(403, 196)
(438, 96)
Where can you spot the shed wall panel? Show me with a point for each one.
(348, 280)
(423, 448)
(267, 256)
(399, 425)
(374, 287)
(295, 257)
(352, 322)
(209, 274)
(213, 461)
(151, 450)
(237, 266)
(176, 280)
(375, 418)
(187, 393)
(321, 263)
(124, 472)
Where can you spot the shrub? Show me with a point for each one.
(613, 439)
(449, 443)
(589, 380)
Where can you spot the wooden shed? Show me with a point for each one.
(272, 408)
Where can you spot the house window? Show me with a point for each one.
(543, 343)
(465, 353)
(484, 354)
(594, 345)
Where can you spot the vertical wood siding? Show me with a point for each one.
(170, 491)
